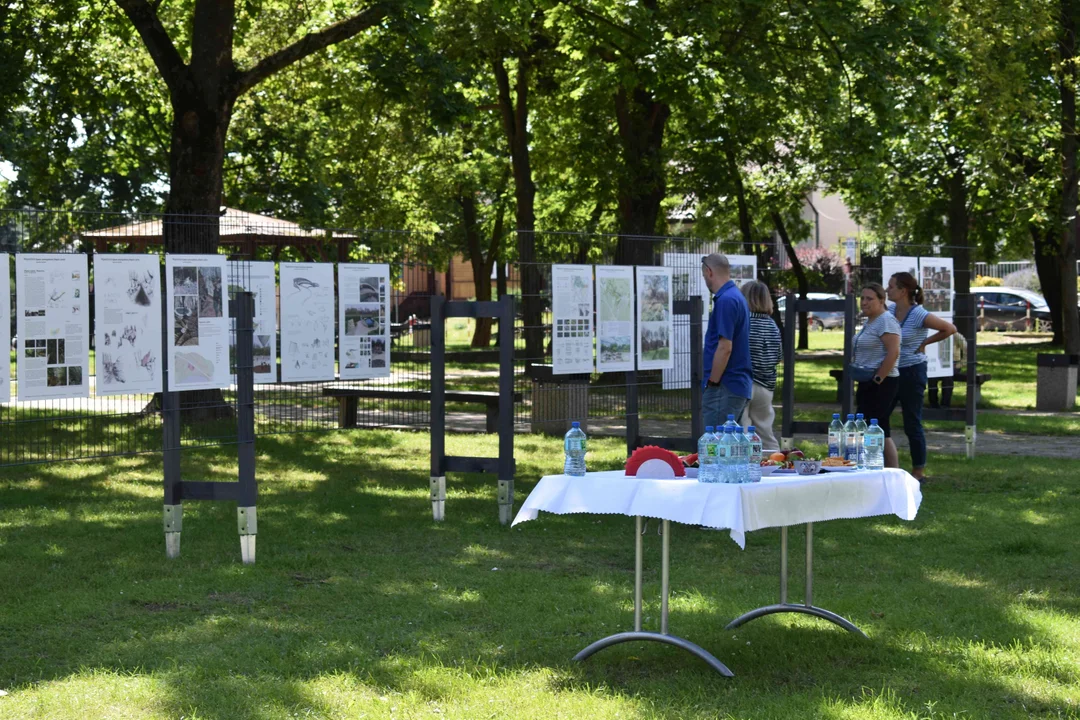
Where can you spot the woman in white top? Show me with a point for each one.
(877, 348)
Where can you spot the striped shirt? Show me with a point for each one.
(869, 349)
(913, 332)
(764, 350)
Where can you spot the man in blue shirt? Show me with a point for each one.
(727, 380)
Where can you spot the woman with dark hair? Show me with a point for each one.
(915, 323)
(877, 348)
(765, 352)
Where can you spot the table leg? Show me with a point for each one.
(662, 636)
(807, 607)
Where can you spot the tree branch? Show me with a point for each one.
(157, 42)
(307, 45)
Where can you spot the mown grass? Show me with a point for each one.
(361, 606)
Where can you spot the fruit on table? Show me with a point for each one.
(778, 457)
(690, 460)
(797, 454)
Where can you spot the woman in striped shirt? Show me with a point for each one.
(764, 355)
(915, 324)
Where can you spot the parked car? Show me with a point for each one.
(1005, 308)
(818, 320)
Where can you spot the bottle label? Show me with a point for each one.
(573, 444)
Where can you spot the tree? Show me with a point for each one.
(203, 91)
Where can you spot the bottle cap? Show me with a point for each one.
(859, 416)
(729, 430)
(575, 424)
(709, 428)
(751, 429)
(873, 421)
(836, 416)
(730, 417)
(850, 416)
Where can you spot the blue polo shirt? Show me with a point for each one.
(730, 318)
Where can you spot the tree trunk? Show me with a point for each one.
(744, 215)
(800, 277)
(1046, 265)
(1070, 317)
(642, 185)
(958, 221)
(196, 159)
(515, 119)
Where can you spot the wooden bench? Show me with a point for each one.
(959, 378)
(348, 401)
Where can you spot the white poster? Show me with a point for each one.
(258, 279)
(5, 328)
(363, 321)
(614, 318)
(892, 264)
(687, 282)
(127, 324)
(743, 268)
(198, 334)
(572, 319)
(307, 321)
(937, 283)
(655, 350)
(939, 356)
(53, 326)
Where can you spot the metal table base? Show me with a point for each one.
(663, 636)
(808, 607)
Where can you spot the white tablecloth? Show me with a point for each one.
(774, 502)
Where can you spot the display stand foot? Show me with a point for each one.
(795, 608)
(438, 498)
(678, 642)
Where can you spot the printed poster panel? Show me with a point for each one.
(937, 283)
(687, 282)
(258, 279)
(127, 324)
(53, 326)
(743, 268)
(655, 337)
(364, 321)
(198, 334)
(939, 356)
(614, 319)
(572, 319)
(307, 321)
(5, 328)
(892, 264)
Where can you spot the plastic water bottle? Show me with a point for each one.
(726, 452)
(851, 450)
(574, 445)
(874, 443)
(860, 434)
(836, 433)
(708, 461)
(755, 454)
(743, 465)
(729, 424)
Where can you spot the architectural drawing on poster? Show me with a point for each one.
(686, 282)
(307, 321)
(572, 319)
(5, 327)
(614, 318)
(743, 268)
(258, 279)
(53, 326)
(127, 327)
(198, 311)
(364, 321)
(892, 264)
(936, 278)
(655, 351)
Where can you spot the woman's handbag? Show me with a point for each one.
(861, 374)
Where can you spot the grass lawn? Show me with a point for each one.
(361, 606)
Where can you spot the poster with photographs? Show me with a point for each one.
(198, 312)
(936, 279)
(687, 282)
(53, 326)
(363, 321)
(743, 268)
(892, 264)
(258, 279)
(307, 321)
(940, 356)
(5, 327)
(614, 318)
(127, 323)
(655, 337)
(571, 319)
